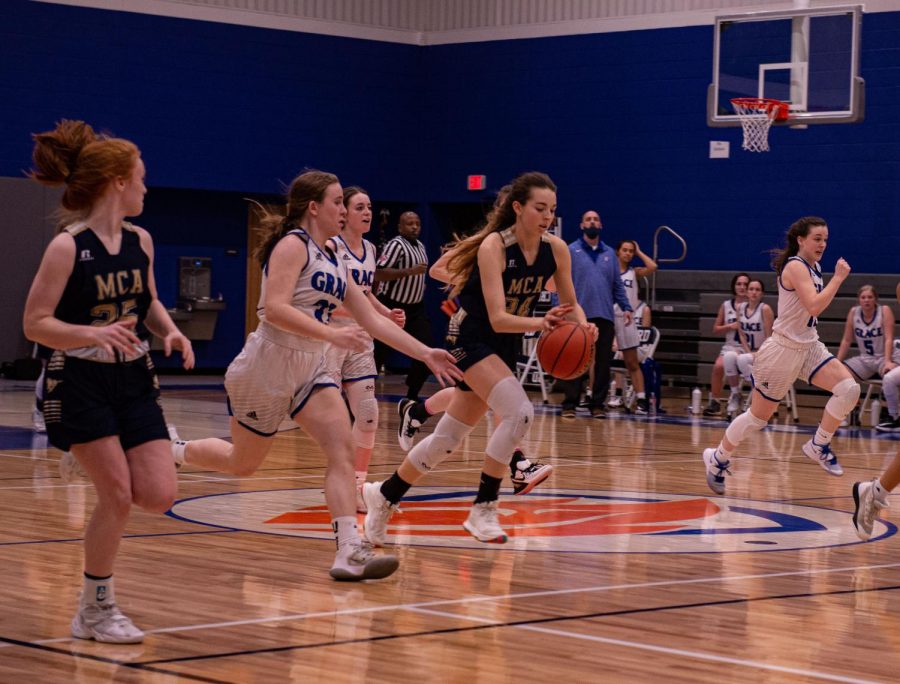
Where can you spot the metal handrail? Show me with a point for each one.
(658, 260)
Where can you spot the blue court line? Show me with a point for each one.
(519, 623)
(125, 536)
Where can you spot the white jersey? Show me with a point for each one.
(320, 289)
(630, 282)
(793, 320)
(869, 334)
(753, 326)
(730, 315)
(359, 267)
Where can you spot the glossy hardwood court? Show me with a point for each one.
(621, 567)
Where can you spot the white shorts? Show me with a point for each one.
(731, 347)
(627, 336)
(865, 366)
(780, 361)
(344, 365)
(268, 381)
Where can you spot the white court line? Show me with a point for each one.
(501, 597)
(698, 655)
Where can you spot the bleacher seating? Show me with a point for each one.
(687, 303)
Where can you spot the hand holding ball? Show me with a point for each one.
(565, 351)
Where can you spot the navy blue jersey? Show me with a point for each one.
(522, 282)
(105, 288)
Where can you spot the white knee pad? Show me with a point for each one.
(366, 423)
(730, 363)
(516, 413)
(447, 436)
(844, 396)
(745, 365)
(361, 397)
(743, 425)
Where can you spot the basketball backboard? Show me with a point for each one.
(806, 57)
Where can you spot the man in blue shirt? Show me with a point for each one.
(595, 273)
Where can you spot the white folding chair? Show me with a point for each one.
(532, 365)
(649, 340)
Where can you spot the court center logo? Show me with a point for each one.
(586, 521)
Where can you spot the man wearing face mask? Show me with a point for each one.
(598, 285)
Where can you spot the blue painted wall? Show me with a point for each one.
(617, 119)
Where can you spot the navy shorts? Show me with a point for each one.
(477, 341)
(87, 400)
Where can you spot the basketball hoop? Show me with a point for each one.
(756, 115)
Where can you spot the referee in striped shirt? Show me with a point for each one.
(400, 274)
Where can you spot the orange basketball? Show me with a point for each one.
(566, 351)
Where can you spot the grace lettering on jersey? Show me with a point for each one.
(362, 278)
(329, 284)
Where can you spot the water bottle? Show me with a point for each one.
(696, 398)
(874, 412)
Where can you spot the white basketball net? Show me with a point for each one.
(756, 118)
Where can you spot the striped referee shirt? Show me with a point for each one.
(399, 252)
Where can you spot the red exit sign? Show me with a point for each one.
(476, 182)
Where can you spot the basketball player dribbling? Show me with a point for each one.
(498, 273)
(525, 473)
(94, 301)
(794, 351)
(282, 368)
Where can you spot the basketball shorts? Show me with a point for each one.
(87, 400)
(268, 381)
(865, 366)
(627, 336)
(780, 361)
(731, 347)
(477, 341)
(345, 365)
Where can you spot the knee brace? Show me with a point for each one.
(516, 413)
(447, 436)
(844, 396)
(730, 363)
(743, 425)
(366, 423)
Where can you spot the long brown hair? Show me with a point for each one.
(800, 228)
(309, 186)
(72, 154)
(465, 250)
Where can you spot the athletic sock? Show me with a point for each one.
(345, 529)
(394, 488)
(822, 438)
(721, 454)
(419, 411)
(488, 488)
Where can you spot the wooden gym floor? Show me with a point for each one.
(621, 567)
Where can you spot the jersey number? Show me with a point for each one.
(323, 309)
(870, 346)
(519, 309)
(105, 314)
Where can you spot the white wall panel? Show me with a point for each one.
(457, 21)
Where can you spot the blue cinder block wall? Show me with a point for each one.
(617, 119)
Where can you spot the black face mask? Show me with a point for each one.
(591, 232)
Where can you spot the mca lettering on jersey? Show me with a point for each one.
(118, 284)
(526, 285)
(329, 284)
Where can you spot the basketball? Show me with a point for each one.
(566, 351)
